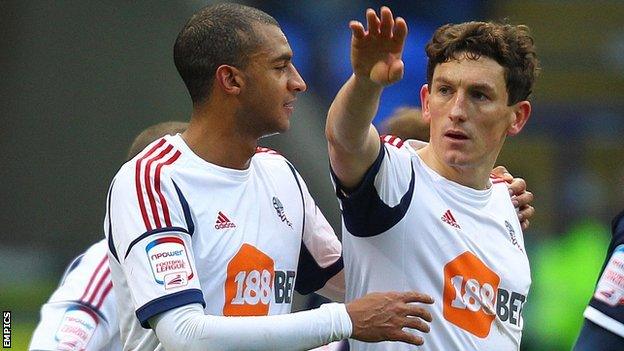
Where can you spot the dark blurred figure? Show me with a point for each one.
(603, 328)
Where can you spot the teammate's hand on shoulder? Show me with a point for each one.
(376, 51)
(382, 316)
(520, 196)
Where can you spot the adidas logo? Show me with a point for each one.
(223, 222)
(448, 218)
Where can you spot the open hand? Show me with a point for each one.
(382, 316)
(520, 197)
(376, 52)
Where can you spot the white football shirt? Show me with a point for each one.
(182, 230)
(80, 314)
(408, 228)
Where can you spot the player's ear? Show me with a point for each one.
(424, 103)
(521, 113)
(229, 79)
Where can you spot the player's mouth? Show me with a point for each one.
(290, 105)
(455, 134)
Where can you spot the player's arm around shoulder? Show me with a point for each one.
(376, 51)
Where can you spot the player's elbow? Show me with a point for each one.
(330, 133)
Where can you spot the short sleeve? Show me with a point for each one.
(382, 198)
(149, 228)
(81, 311)
(320, 256)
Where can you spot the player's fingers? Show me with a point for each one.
(526, 212)
(420, 312)
(387, 22)
(372, 21)
(414, 296)
(523, 199)
(499, 171)
(518, 186)
(395, 73)
(408, 338)
(357, 29)
(525, 224)
(416, 323)
(400, 30)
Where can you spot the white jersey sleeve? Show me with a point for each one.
(187, 328)
(320, 257)
(383, 197)
(149, 232)
(81, 314)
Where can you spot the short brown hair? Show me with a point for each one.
(509, 45)
(152, 133)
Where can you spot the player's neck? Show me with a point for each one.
(475, 177)
(215, 140)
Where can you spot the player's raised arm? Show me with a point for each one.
(376, 60)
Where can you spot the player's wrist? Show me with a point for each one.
(342, 326)
(363, 81)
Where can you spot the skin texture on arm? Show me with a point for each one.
(334, 289)
(353, 141)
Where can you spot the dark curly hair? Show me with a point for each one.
(509, 45)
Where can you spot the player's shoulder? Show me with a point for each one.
(273, 162)
(391, 140)
(98, 249)
(500, 200)
(82, 273)
(94, 255)
(395, 145)
(152, 164)
(265, 155)
(500, 186)
(498, 182)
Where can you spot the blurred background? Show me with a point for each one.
(80, 79)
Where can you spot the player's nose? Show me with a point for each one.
(458, 108)
(296, 82)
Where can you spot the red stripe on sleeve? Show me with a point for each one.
(148, 184)
(163, 202)
(95, 273)
(99, 285)
(104, 294)
(137, 181)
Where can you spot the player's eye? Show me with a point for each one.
(480, 96)
(283, 66)
(444, 90)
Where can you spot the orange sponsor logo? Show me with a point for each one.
(470, 290)
(249, 283)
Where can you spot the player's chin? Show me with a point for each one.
(277, 129)
(282, 125)
(456, 158)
